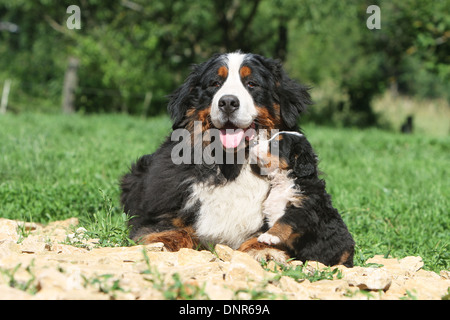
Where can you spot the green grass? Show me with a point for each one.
(392, 190)
(302, 272)
(53, 167)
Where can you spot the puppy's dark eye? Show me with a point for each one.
(251, 84)
(215, 84)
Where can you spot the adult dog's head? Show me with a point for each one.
(236, 92)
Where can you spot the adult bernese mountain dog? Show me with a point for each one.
(197, 202)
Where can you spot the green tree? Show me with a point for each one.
(134, 52)
(328, 50)
(349, 64)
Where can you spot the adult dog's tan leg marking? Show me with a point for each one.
(173, 240)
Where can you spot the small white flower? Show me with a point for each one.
(81, 230)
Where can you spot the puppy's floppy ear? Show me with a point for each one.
(294, 97)
(182, 98)
(303, 158)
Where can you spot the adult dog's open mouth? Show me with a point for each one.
(231, 136)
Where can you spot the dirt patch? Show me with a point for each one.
(40, 266)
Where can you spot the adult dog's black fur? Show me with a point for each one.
(194, 203)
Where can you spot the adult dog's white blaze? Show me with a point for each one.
(244, 116)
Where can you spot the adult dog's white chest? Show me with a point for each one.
(229, 214)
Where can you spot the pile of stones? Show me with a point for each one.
(57, 262)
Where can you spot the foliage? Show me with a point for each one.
(303, 272)
(104, 283)
(109, 225)
(349, 64)
(134, 53)
(30, 286)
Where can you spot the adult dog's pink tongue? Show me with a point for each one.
(231, 138)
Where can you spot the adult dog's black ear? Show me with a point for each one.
(294, 98)
(182, 98)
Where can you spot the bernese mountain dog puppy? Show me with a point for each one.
(298, 210)
(200, 187)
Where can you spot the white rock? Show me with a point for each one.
(368, 278)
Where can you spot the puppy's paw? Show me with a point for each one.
(269, 254)
(262, 251)
(269, 238)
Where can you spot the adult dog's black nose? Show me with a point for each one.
(229, 103)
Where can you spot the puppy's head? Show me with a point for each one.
(272, 154)
(285, 151)
(238, 94)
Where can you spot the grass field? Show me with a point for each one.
(392, 190)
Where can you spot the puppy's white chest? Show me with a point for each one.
(231, 213)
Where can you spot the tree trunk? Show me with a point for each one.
(70, 86)
(5, 94)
